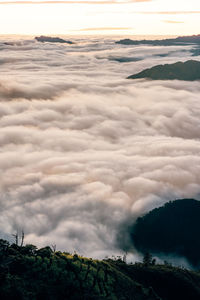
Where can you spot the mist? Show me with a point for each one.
(84, 151)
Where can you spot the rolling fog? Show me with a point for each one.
(83, 150)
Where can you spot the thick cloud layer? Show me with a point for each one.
(84, 151)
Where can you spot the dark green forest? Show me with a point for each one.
(171, 229)
(30, 273)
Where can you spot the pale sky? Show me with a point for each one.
(123, 17)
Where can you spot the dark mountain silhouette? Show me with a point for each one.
(50, 39)
(189, 70)
(182, 40)
(173, 229)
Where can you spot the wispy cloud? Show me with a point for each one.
(168, 12)
(172, 22)
(104, 29)
(72, 2)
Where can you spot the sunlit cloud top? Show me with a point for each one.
(123, 17)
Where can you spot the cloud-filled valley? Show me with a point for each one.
(84, 151)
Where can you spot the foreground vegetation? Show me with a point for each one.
(30, 273)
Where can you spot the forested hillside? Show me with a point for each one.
(30, 273)
(172, 229)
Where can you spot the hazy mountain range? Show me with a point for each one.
(182, 40)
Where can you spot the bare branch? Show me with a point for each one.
(22, 238)
(16, 237)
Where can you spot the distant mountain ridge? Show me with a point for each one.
(181, 40)
(50, 39)
(189, 71)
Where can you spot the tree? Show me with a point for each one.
(147, 259)
(22, 238)
(16, 237)
(29, 250)
(3, 246)
(45, 252)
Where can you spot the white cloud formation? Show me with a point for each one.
(85, 151)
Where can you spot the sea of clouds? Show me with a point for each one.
(83, 150)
